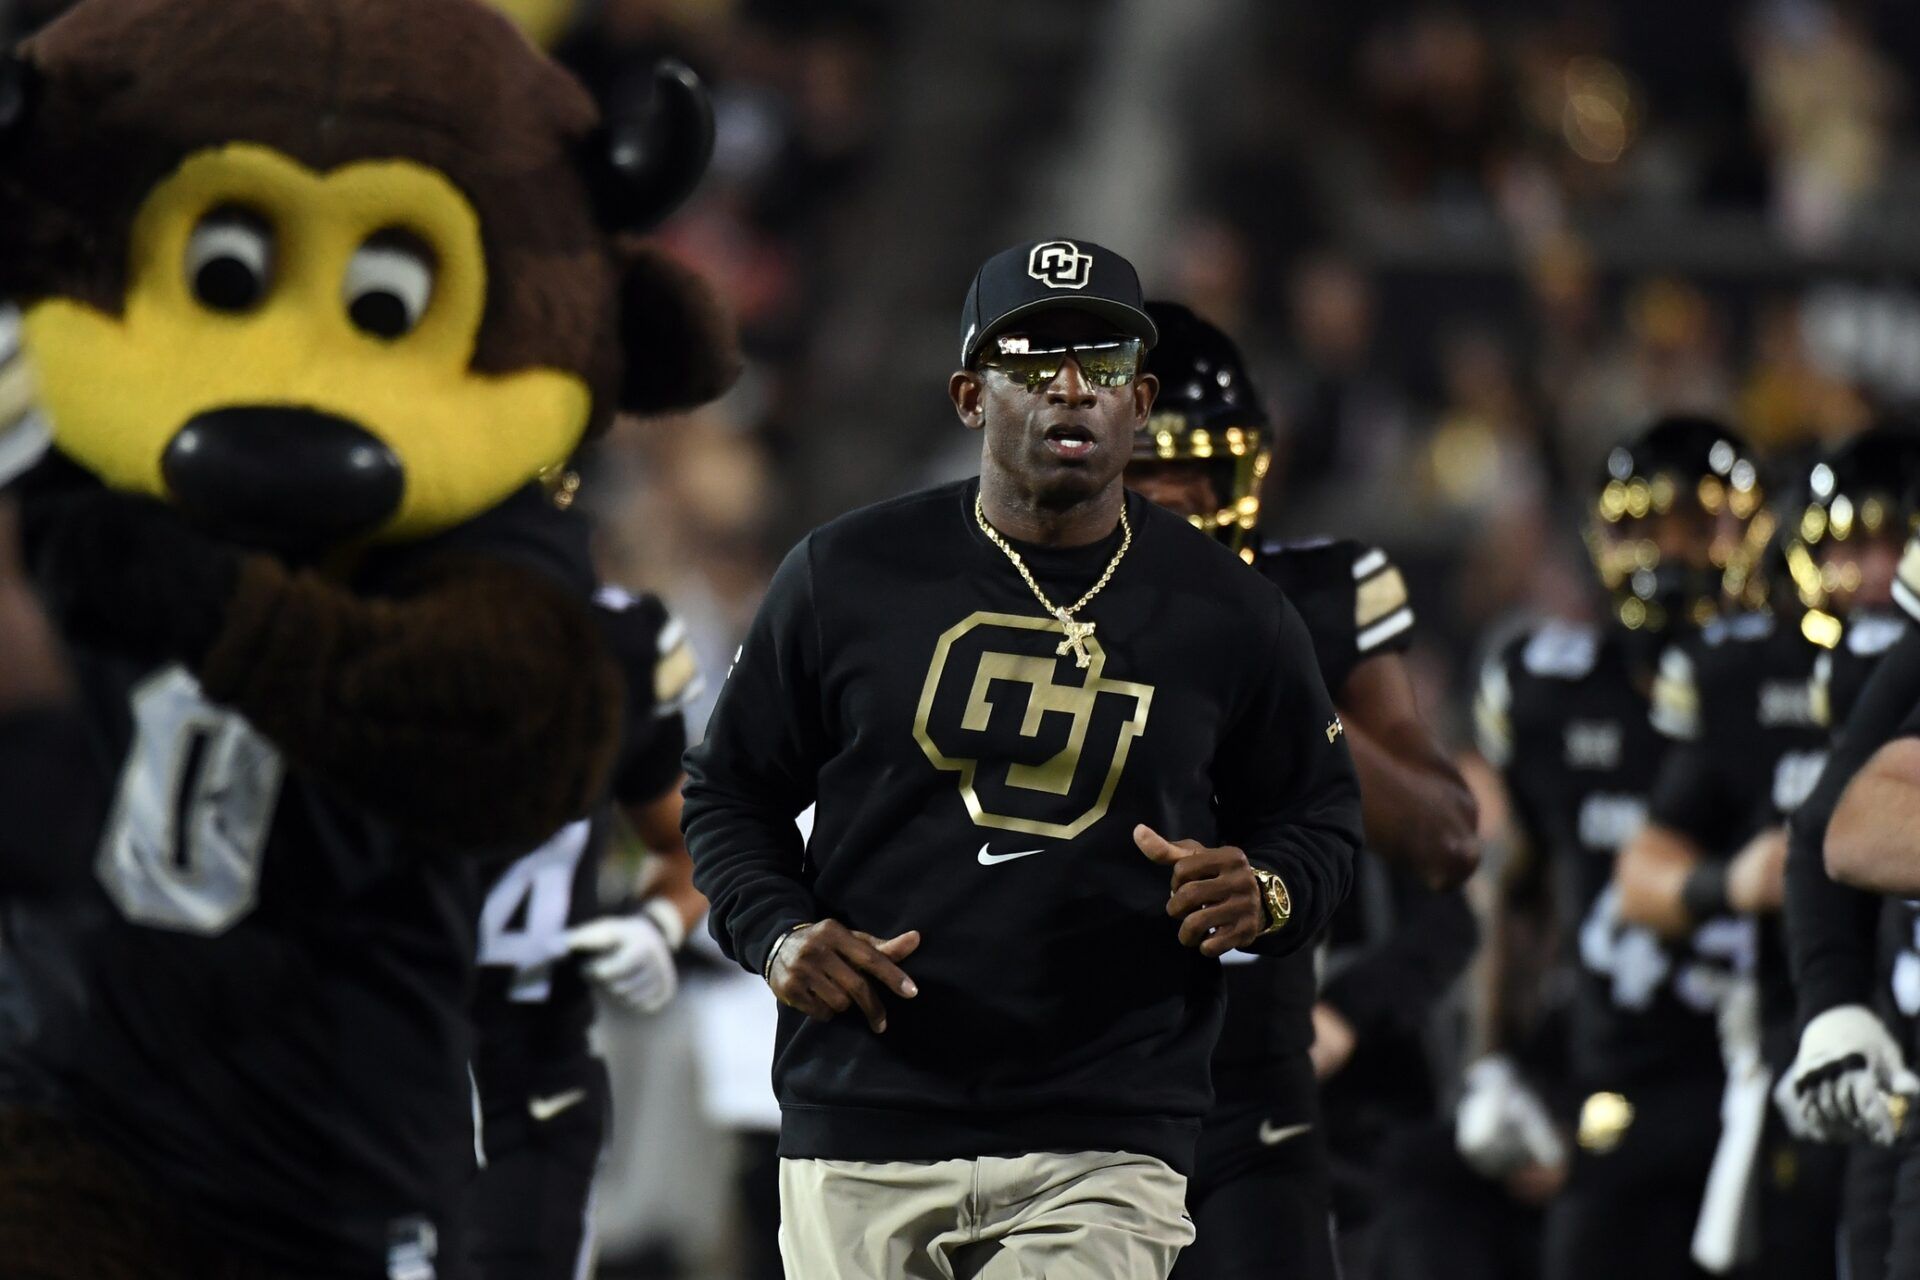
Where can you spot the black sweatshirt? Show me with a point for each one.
(902, 677)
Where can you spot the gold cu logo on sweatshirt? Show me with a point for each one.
(1038, 743)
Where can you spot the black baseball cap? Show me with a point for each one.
(1046, 275)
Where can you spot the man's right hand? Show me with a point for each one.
(824, 969)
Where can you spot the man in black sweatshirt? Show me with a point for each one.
(1053, 784)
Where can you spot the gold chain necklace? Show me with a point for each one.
(1077, 632)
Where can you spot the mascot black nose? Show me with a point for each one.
(289, 480)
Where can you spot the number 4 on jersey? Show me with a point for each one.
(524, 923)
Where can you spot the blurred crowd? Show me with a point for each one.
(1506, 235)
(1468, 246)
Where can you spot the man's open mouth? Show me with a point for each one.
(1069, 442)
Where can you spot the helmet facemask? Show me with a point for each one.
(1674, 546)
(1235, 459)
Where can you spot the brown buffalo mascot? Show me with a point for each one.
(321, 296)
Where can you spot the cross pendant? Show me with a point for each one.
(1077, 635)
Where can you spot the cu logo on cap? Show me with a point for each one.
(1059, 264)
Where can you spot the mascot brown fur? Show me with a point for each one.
(321, 296)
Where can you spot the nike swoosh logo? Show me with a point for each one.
(545, 1109)
(1274, 1137)
(994, 859)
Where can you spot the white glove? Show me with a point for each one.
(632, 956)
(1501, 1125)
(1838, 1088)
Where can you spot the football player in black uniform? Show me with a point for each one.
(1869, 1091)
(544, 1096)
(1738, 700)
(1563, 712)
(1262, 1174)
(1851, 1072)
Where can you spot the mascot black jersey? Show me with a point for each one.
(260, 996)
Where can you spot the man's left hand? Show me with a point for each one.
(1215, 896)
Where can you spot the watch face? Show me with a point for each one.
(1276, 899)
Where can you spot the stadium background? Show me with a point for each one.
(1467, 246)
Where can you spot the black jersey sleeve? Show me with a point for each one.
(1842, 672)
(1352, 598)
(1286, 788)
(1382, 610)
(1698, 792)
(1830, 927)
(757, 770)
(1512, 736)
(652, 650)
(1507, 736)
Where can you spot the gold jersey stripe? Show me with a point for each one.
(1676, 698)
(674, 675)
(1676, 710)
(1493, 732)
(1379, 596)
(1820, 691)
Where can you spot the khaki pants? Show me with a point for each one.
(1089, 1216)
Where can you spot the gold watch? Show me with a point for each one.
(1275, 899)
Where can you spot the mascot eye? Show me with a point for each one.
(389, 284)
(230, 260)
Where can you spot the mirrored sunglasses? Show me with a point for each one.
(1110, 362)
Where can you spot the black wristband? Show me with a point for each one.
(1705, 893)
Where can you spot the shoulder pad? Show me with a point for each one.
(1738, 627)
(1676, 696)
(1561, 651)
(1280, 546)
(1873, 633)
(614, 599)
